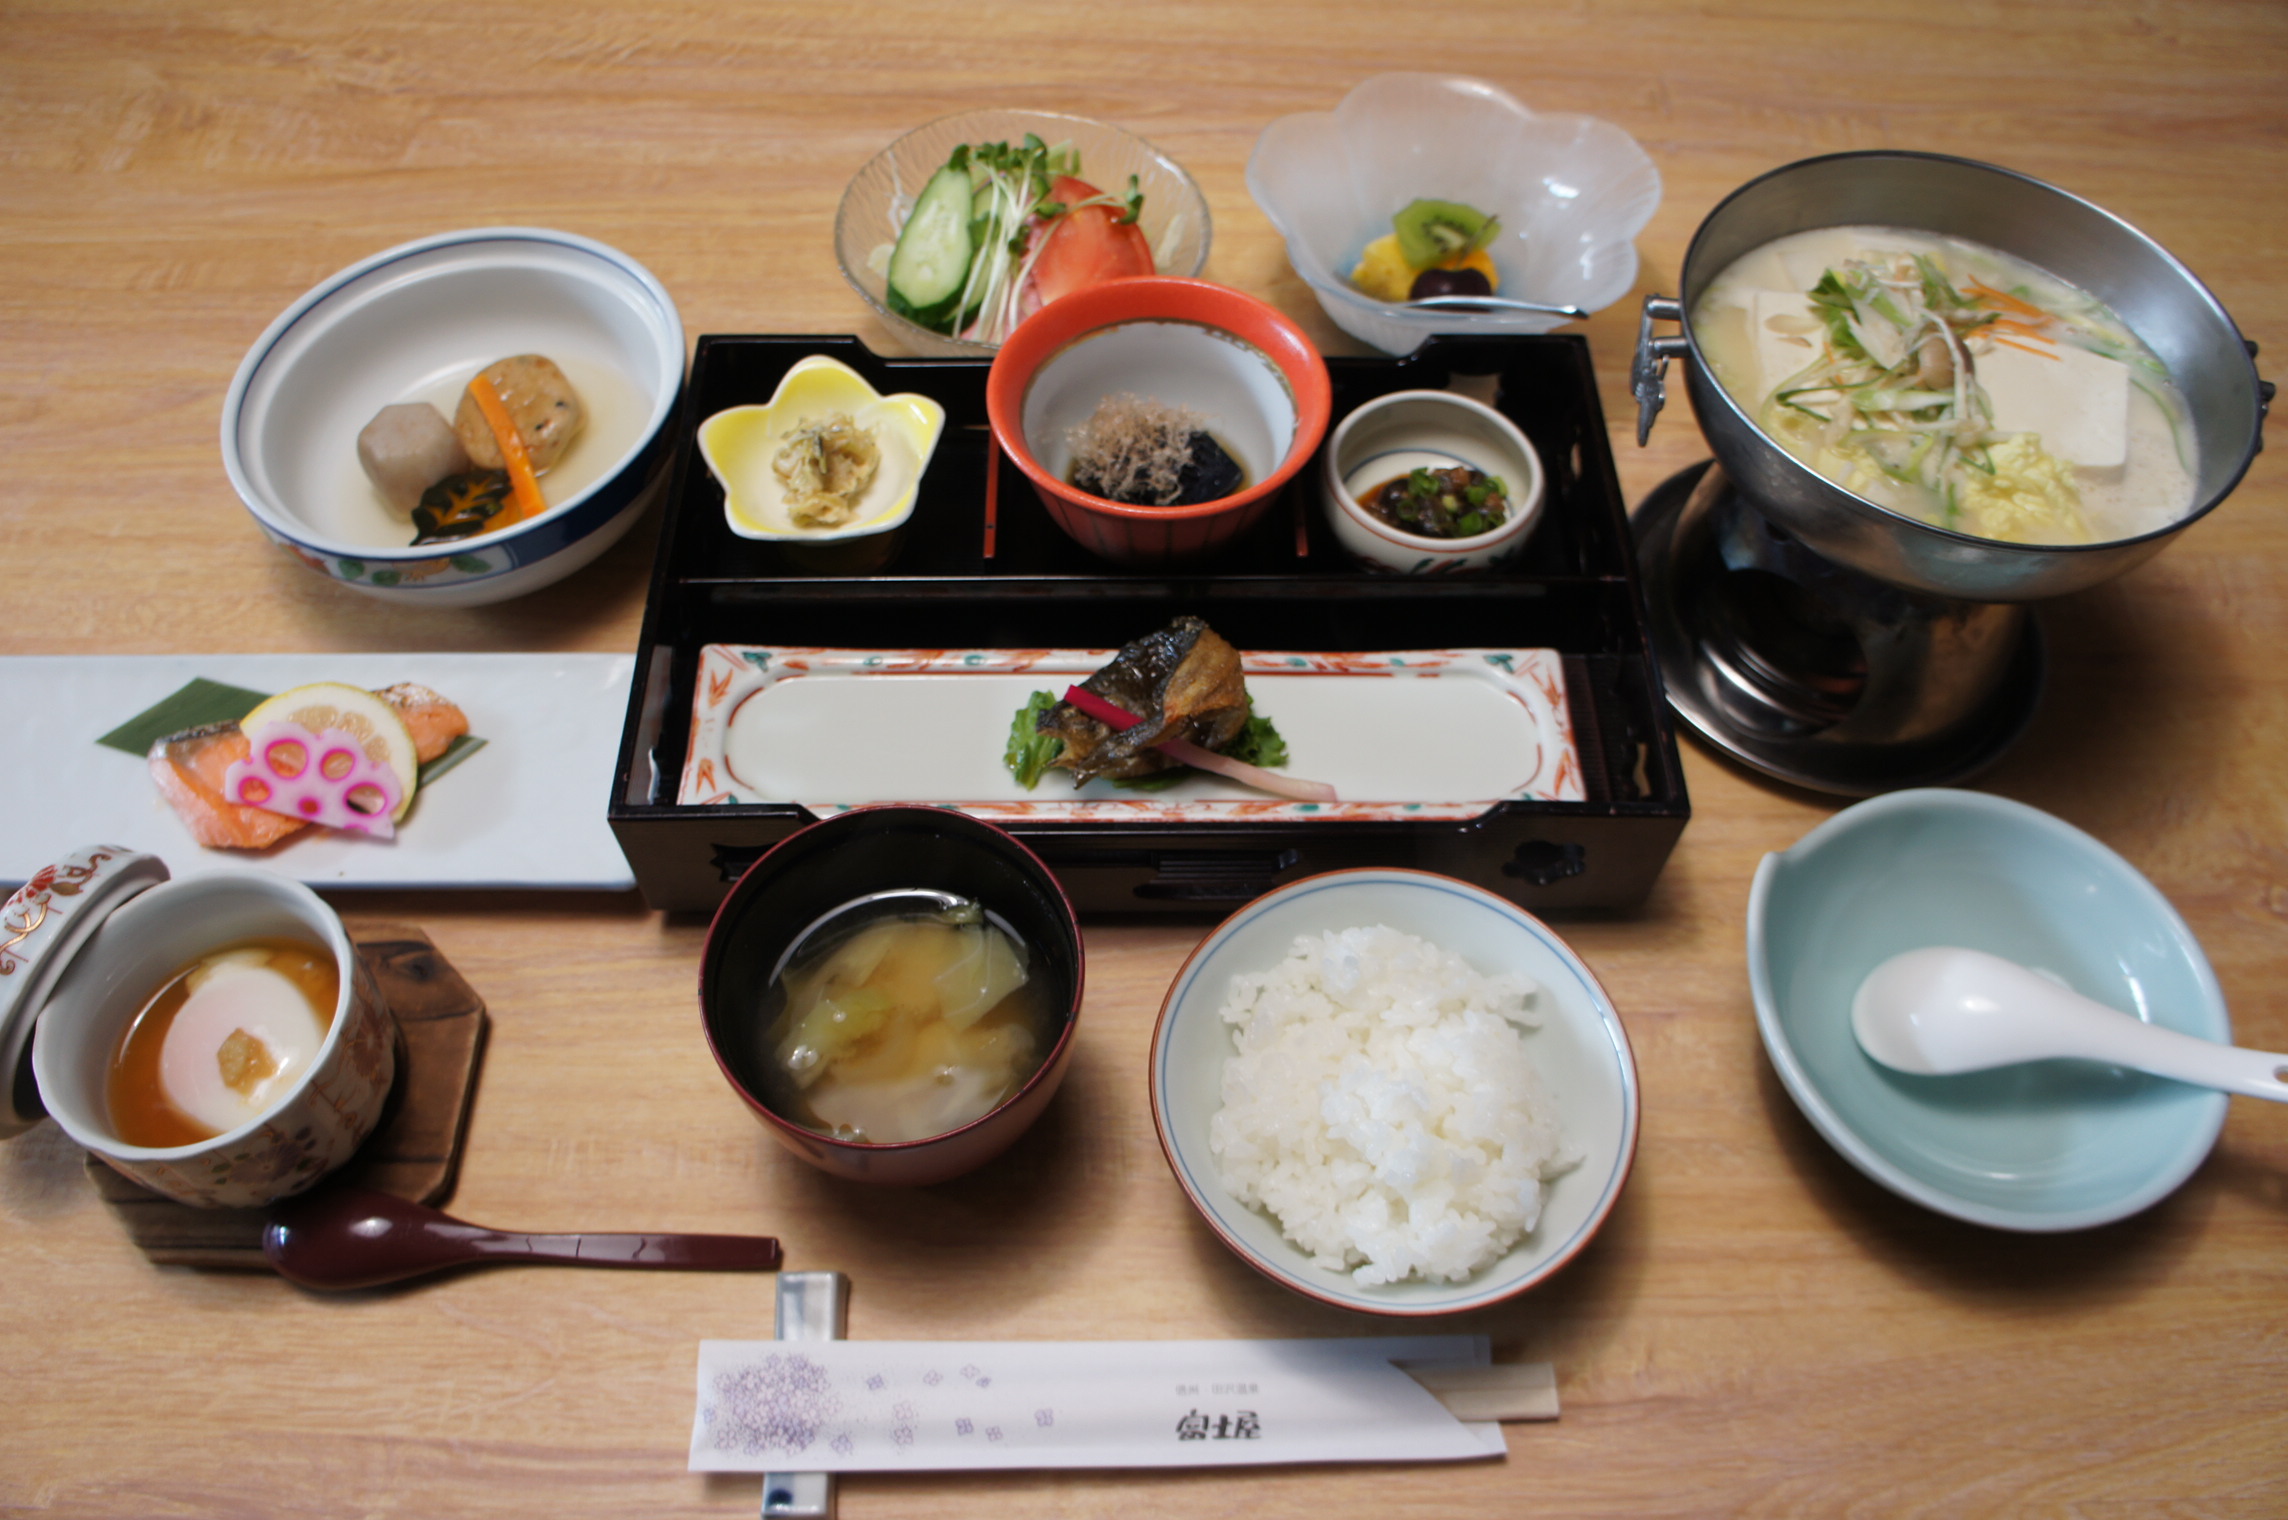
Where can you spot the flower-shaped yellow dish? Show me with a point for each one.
(744, 445)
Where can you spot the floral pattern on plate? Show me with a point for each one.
(1412, 735)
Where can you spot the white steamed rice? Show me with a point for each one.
(1382, 1106)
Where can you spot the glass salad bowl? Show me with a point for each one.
(1173, 218)
(1571, 193)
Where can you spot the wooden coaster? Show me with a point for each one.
(414, 1153)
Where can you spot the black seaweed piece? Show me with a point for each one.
(460, 506)
(1211, 475)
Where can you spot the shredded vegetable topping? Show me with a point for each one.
(1012, 205)
(825, 468)
(1892, 393)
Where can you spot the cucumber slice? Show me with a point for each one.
(931, 260)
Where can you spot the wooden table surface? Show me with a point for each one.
(1757, 1330)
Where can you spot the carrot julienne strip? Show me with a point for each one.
(1120, 720)
(524, 486)
(2007, 301)
(2028, 348)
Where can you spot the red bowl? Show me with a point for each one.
(853, 855)
(1286, 359)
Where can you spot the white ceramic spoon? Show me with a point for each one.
(1946, 1010)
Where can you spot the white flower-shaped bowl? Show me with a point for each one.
(1572, 193)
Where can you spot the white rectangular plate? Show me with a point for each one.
(527, 810)
(1424, 734)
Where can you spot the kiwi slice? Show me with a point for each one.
(1431, 232)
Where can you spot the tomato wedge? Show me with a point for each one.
(1085, 247)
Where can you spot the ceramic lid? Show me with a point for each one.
(41, 928)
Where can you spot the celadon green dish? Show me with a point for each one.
(2046, 1146)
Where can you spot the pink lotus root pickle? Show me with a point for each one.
(324, 777)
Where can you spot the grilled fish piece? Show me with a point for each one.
(1184, 682)
(189, 769)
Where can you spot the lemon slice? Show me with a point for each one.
(379, 731)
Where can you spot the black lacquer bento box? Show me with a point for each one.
(983, 569)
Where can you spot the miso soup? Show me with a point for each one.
(894, 1023)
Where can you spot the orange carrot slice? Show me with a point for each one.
(524, 486)
(2007, 301)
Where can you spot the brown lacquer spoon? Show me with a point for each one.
(353, 1238)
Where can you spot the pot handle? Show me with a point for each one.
(2265, 390)
(1647, 374)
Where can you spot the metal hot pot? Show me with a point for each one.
(1830, 641)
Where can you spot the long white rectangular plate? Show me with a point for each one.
(527, 810)
(1401, 736)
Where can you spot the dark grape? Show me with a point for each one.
(1449, 282)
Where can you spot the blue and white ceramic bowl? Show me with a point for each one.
(2051, 1145)
(414, 324)
(1580, 1050)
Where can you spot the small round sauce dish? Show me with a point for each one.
(2040, 1147)
(831, 1022)
(1249, 376)
(290, 1113)
(759, 454)
(1392, 436)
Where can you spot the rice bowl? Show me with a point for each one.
(1580, 1049)
(1383, 1105)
